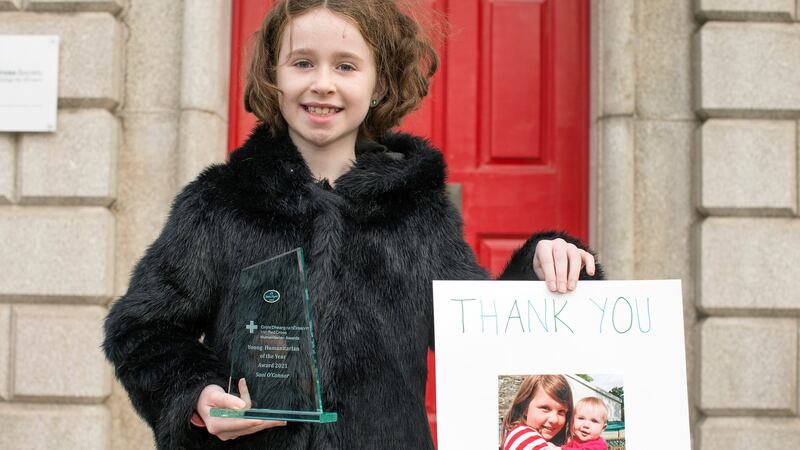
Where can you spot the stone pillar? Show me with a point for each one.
(645, 123)
(664, 203)
(614, 65)
(175, 120)
(58, 234)
(147, 162)
(748, 90)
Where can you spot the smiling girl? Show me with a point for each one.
(536, 418)
(321, 171)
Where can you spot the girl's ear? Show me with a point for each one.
(380, 91)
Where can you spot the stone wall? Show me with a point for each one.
(57, 225)
(507, 387)
(695, 176)
(143, 88)
(696, 144)
(747, 84)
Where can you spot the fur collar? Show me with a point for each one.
(268, 174)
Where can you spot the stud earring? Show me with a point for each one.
(374, 102)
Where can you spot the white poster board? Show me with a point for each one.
(28, 83)
(630, 330)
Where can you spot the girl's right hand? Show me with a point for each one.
(213, 396)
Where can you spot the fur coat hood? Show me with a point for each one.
(373, 244)
(386, 177)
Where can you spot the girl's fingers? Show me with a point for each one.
(225, 436)
(543, 257)
(575, 264)
(226, 428)
(221, 399)
(588, 261)
(271, 424)
(561, 262)
(245, 394)
(233, 428)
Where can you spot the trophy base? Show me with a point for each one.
(276, 414)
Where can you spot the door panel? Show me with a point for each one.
(512, 81)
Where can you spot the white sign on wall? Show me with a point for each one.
(28, 83)
(491, 333)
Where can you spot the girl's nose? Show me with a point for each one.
(323, 83)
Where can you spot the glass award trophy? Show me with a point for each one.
(273, 345)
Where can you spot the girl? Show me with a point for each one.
(321, 171)
(535, 420)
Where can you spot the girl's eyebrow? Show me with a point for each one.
(348, 55)
(300, 52)
(339, 55)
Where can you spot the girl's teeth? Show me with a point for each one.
(320, 111)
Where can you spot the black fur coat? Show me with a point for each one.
(372, 244)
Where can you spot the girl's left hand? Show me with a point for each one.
(559, 264)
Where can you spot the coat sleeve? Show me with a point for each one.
(458, 261)
(520, 266)
(152, 333)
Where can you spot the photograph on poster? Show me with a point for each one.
(571, 411)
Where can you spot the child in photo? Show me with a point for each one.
(588, 422)
(536, 418)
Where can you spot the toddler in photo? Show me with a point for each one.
(588, 422)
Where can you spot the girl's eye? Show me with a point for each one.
(302, 64)
(346, 67)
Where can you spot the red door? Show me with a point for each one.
(510, 110)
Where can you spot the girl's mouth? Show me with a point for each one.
(322, 111)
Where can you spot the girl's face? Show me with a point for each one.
(327, 77)
(546, 414)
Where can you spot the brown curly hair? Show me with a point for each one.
(556, 386)
(404, 57)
